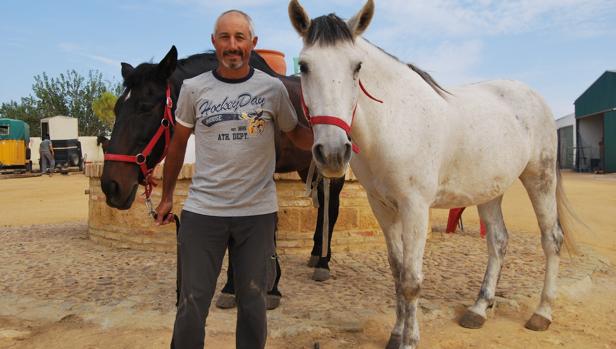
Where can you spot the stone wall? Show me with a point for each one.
(356, 228)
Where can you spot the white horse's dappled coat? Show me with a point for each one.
(424, 147)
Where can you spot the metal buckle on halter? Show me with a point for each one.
(140, 159)
(164, 123)
(169, 102)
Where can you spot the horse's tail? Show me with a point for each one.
(567, 218)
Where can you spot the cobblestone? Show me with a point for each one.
(55, 271)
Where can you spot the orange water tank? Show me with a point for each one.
(275, 59)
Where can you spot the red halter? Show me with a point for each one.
(335, 120)
(141, 159)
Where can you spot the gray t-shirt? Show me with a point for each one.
(233, 123)
(45, 146)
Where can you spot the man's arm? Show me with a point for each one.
(171, 170)
(302, 137)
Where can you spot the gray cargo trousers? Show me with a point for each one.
(202, 243)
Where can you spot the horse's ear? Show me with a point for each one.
(127, 69)
(166, 67)
(299, 18)
(361, 20)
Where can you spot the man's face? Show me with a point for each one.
(232, 41)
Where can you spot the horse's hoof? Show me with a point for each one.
(225, 301)
(313, 261)
(395, 342)
(272, 301)
(472, 320)
(537, 323)
(320, 274)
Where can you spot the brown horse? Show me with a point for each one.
(138, 115)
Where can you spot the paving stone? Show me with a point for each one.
(58, 262)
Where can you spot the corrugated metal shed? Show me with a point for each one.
(595, 112)
(566, 141)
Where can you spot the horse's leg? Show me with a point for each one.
(317, 237)
(414, 216)
(497, 238)
(541, 187)
(392, 229)
(226, 299)
(321, 273)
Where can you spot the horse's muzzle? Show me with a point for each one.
(332, 161)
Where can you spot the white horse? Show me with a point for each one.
(426, 147)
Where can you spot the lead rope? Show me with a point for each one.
(312, 192)
(312, 184)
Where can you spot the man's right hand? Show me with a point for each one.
(163, 212)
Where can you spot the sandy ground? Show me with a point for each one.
(60, 290)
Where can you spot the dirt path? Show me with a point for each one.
(60, 290)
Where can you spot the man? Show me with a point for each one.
(47, 156)
(232, 199)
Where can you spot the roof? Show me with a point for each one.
(599, 97)
(607, 72)
(14, 129)
(567, 120)
(58, 117)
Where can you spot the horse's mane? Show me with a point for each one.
(330, 30)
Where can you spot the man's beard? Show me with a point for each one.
(235, 64)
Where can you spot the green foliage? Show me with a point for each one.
(103, 108)
(69, 94)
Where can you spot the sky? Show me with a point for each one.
(558, 47)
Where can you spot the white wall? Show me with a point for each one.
(35, 143)
(90, 151)
(93, 153)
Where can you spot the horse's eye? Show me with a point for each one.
(303, 68)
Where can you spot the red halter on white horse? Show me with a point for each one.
(334, 120)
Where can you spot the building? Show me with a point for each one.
(60, 127)
(595, 115)
(566, 141)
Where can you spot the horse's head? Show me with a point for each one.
(138, 111)
(330, 65)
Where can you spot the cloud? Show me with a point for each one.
(78, 50)
(452, 63)
(455, 18)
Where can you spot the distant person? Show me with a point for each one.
(47, 156)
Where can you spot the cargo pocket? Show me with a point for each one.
(270, 273)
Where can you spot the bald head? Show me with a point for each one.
(239, 14)
(234, 41)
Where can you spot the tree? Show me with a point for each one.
(69, 94)
(103, 108)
